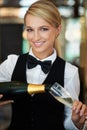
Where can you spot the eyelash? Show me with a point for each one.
(44, 29)
(29, 30)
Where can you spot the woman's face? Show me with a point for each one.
(41, 36)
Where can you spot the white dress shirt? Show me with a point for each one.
(36, 75)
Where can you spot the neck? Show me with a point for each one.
(42, 55)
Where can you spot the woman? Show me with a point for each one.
(42, 111)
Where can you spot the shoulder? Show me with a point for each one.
(68, 65)
(71, 70)
(12, 58)
(7, 67)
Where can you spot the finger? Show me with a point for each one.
(79, 107)
(85, 116)
(75, 104)
(6, 102)
(1, 95)
(86, 110)
(75, 116)
(83, 110)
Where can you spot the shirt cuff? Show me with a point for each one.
(74, 127)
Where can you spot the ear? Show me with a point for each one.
(59, 30)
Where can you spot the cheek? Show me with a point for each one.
(50, 36)
(29, 37)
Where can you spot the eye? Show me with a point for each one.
(44, 29)
(29, 29)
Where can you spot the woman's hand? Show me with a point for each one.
(5, 102)
(79, 114)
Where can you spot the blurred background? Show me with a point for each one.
(72, 40)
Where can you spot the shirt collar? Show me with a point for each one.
(51, 57)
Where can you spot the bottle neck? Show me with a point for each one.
(36, 88)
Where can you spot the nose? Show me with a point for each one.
(36, 35)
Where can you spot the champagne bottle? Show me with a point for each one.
(12, 89)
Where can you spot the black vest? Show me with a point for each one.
(40, 111)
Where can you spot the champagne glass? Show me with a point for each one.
(61, 94)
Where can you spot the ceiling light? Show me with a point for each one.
(26, 2)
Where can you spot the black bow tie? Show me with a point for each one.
(45, 65)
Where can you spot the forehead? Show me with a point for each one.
(36, 20)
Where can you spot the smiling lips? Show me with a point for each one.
(38, 43)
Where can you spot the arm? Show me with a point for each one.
(6, 69)
(72, 84)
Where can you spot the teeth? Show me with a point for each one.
(38, 43)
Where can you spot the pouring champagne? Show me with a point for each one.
(61, 94)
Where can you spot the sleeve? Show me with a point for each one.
(68, 124)
(7, 67)
(72, 85)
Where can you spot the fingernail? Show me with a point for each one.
(76, 111)
(81, 113)
(74, 108)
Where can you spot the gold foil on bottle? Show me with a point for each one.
(36, 88)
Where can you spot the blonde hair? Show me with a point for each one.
(46, 10)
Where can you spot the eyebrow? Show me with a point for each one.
(39, 26)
